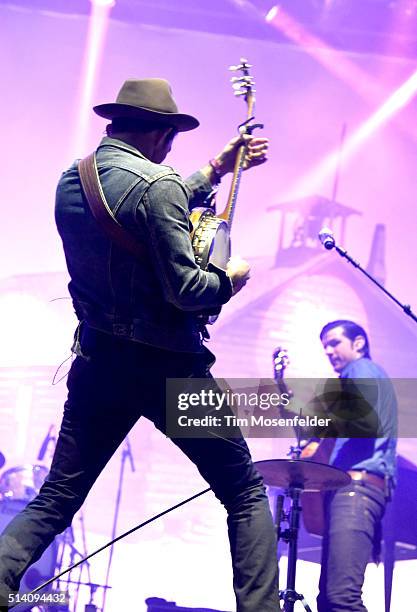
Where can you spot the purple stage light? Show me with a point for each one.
(97, 29)
(106, 3)
(314, 179)
(272, 13)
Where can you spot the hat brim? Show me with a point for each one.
(113, 110)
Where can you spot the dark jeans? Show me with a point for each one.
(353, 519)
(108, 391)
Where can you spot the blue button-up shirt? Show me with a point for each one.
(375, 455)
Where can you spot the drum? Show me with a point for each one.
(42, 569)
(22, 483)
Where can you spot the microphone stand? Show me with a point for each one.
(84, 541)
(50, 437)
(331, 244)
(126, 455)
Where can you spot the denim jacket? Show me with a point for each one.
(154, 299)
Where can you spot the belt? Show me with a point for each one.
(367, 478)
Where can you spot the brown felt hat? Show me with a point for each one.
(147, 99)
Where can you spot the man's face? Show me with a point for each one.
(340, 349)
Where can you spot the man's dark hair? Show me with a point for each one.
(351, 330)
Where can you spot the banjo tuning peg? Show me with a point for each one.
(240, 85)
(242, 66)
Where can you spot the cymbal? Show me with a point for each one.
(307, 475)
(2, 460)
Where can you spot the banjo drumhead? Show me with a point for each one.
(210, 240)
(220, 247)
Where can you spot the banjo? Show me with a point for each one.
(210, 236)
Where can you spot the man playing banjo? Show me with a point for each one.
(138, 327)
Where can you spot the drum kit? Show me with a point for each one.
(294, 477)
(18, 486)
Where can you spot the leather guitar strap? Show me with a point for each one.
(102, 212)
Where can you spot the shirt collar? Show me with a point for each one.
(348, 366)
(119, 144)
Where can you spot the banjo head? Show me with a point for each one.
(220, 247)
(210, 240)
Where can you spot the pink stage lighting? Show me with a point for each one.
(345, 69)
(359, 81)
(108, 3)
(98, 23)
(394, 103)
(341, 66)
(272, 13)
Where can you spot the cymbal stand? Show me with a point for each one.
(125, 456)
(290, 535)
(93, 586)
(68, 549)
(296, 450)
(293, 476)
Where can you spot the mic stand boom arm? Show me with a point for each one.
(405, 307)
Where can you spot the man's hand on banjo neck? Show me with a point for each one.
(255, 155)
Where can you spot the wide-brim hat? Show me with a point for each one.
(149, 100)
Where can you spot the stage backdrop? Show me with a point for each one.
(303, 106)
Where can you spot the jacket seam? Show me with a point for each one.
(148, 178)
(124, 196)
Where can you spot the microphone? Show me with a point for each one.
(326, 238)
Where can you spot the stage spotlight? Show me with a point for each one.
(93, 55)
(272, 13)
(314, 180)
(342, 66)
(107, 3)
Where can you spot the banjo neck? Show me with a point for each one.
(243, 86)
(210, 236)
